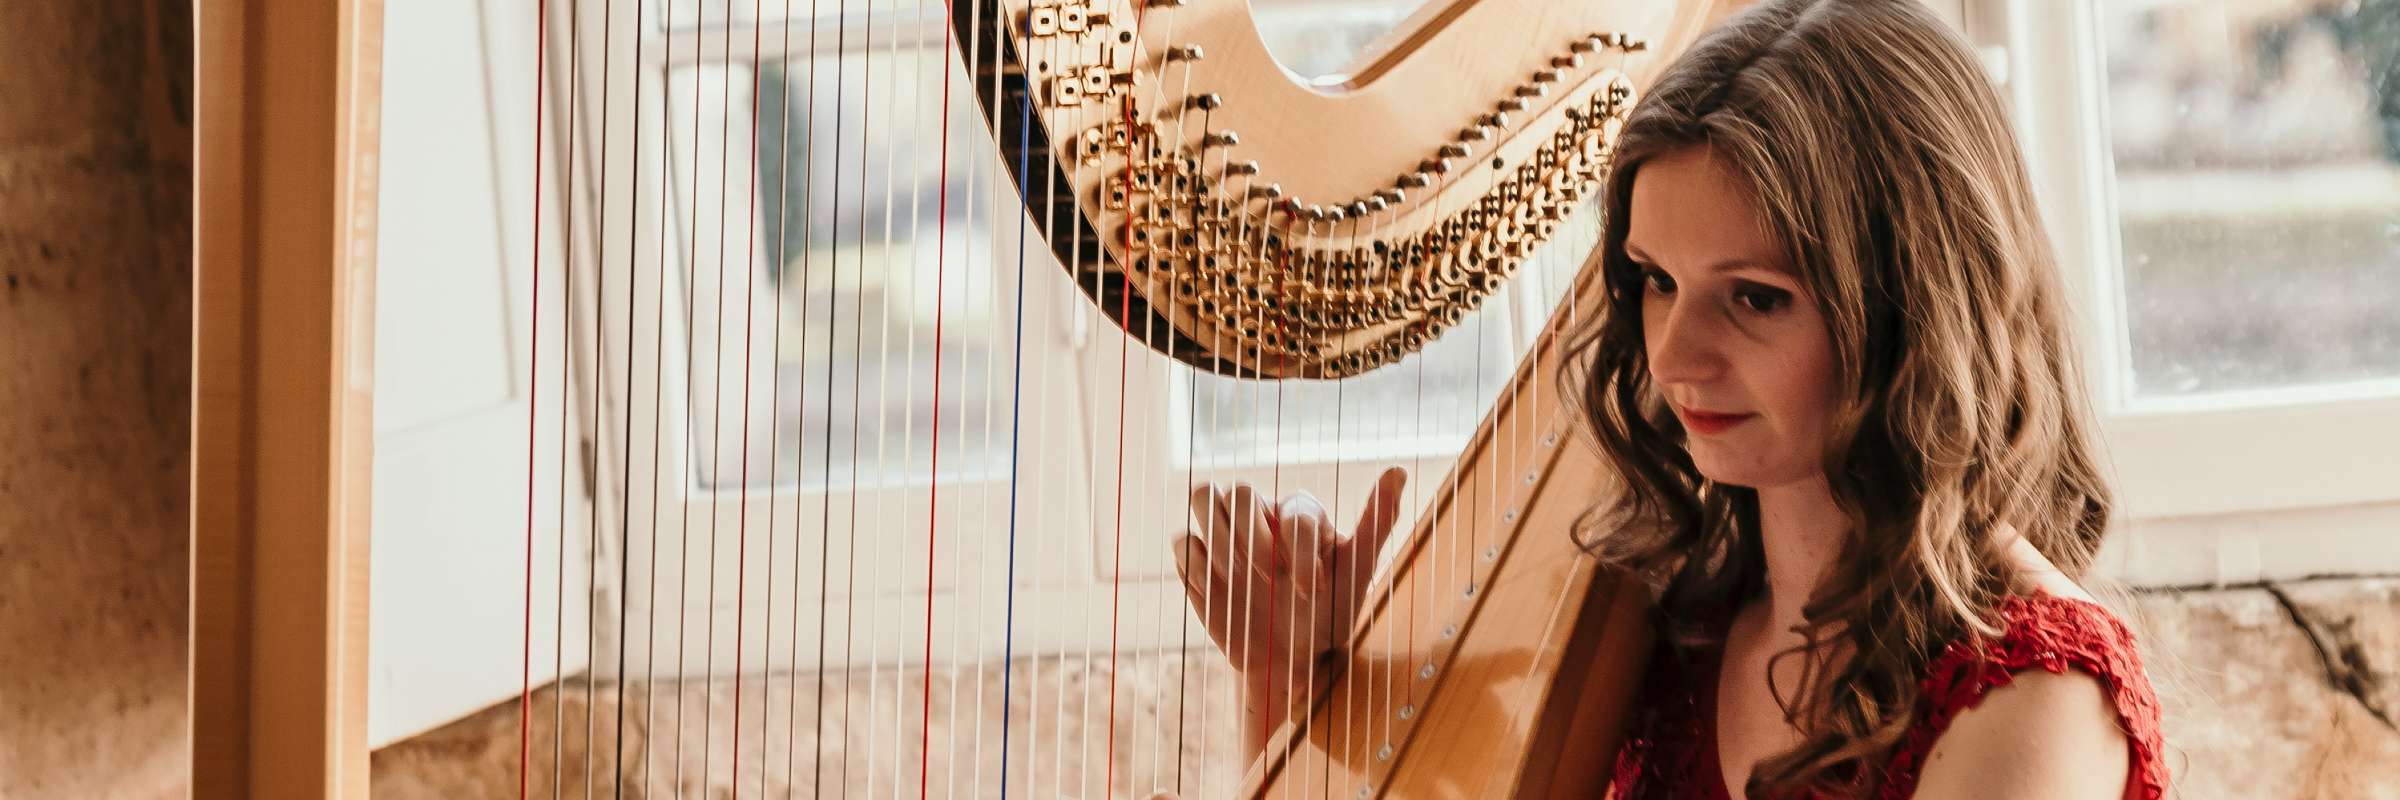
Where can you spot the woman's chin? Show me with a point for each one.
(1729, 476)
(1727, 469)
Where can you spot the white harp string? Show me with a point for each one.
(908, 534)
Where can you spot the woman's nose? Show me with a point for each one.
(1685, 346)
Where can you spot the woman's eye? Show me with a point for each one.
(1657, 282)
(1763, 299)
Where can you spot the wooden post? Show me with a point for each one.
(285, 173)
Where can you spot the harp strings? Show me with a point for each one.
(832, 540)
(532, 427)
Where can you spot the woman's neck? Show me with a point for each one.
(1801, 530)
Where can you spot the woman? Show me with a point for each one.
(1837, 374)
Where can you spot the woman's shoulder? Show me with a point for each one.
(2058, 628)
(2064, 667)
(2048, 631)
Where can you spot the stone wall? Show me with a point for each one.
(95, 341)
(2252, 712)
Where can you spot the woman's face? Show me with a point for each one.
(1734, 338)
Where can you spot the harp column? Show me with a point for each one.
(284, 182)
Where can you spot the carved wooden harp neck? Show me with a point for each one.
(1250, 224)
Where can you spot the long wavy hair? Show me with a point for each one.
(1883, 163)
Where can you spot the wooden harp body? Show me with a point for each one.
(1248, 223)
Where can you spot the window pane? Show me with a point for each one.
(2257, 149)
(853, 240)
(1313, 38)
(859, 301)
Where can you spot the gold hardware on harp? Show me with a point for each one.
(1341, 276)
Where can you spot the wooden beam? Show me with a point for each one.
(284, 173)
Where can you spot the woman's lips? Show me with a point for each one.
(1711, 422)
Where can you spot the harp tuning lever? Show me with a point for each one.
(1242, 168)
(1221, 139)
(1205, 102)
(1188, 52)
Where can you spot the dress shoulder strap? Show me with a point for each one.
(2055, 634)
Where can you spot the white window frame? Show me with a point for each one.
(2217, 488)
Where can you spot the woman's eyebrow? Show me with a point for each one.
(1634, 252)
(1742, 264)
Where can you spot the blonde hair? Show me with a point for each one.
(1883, 163)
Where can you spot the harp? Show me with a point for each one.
(1251, 229)
(1194, 192)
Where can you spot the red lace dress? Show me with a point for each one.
(1671, 753)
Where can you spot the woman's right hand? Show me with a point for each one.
(1277, 584)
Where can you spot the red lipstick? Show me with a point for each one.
(1708, 423)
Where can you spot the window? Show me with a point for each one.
(2219, 178)
(2257, 155)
